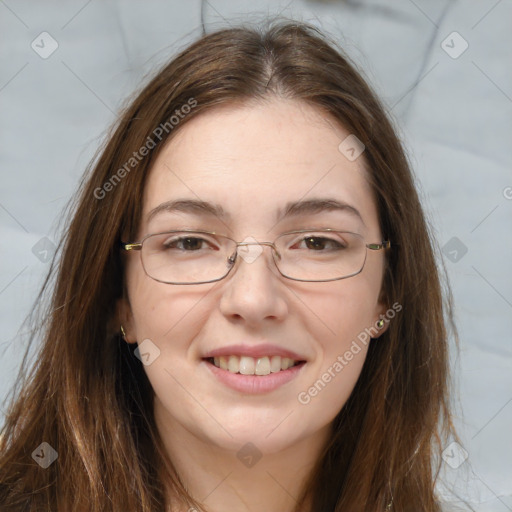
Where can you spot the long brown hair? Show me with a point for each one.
(87, 395)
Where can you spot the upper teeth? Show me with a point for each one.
(251, 366)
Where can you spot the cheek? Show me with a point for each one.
(161, 316)
(171, 319)
(338, 329)
(338, 315)
(162, 312)
(323, 399)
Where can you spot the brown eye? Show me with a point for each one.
(317, 243)
(191, 243)
(185, 243)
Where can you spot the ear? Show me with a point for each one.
(125, 318)
(379, 317)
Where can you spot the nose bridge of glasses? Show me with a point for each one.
(269, 244)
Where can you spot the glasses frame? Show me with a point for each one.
(137, 246)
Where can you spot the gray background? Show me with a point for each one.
(454, 110)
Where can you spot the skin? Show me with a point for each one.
(252, 159)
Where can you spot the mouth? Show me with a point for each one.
(261, 366)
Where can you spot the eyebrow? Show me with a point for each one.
(313, 206)
(291, 209)
(190, 206)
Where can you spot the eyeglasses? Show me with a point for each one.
(198, 257)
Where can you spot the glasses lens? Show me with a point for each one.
(186, 257)
(320, 255)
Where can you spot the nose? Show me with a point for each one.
(254, 291)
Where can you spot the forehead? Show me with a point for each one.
(254, 159)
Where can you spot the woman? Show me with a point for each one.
(247, 312)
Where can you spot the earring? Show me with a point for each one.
(123, 333)
(380, 323)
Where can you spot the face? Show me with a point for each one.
(254, 161)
